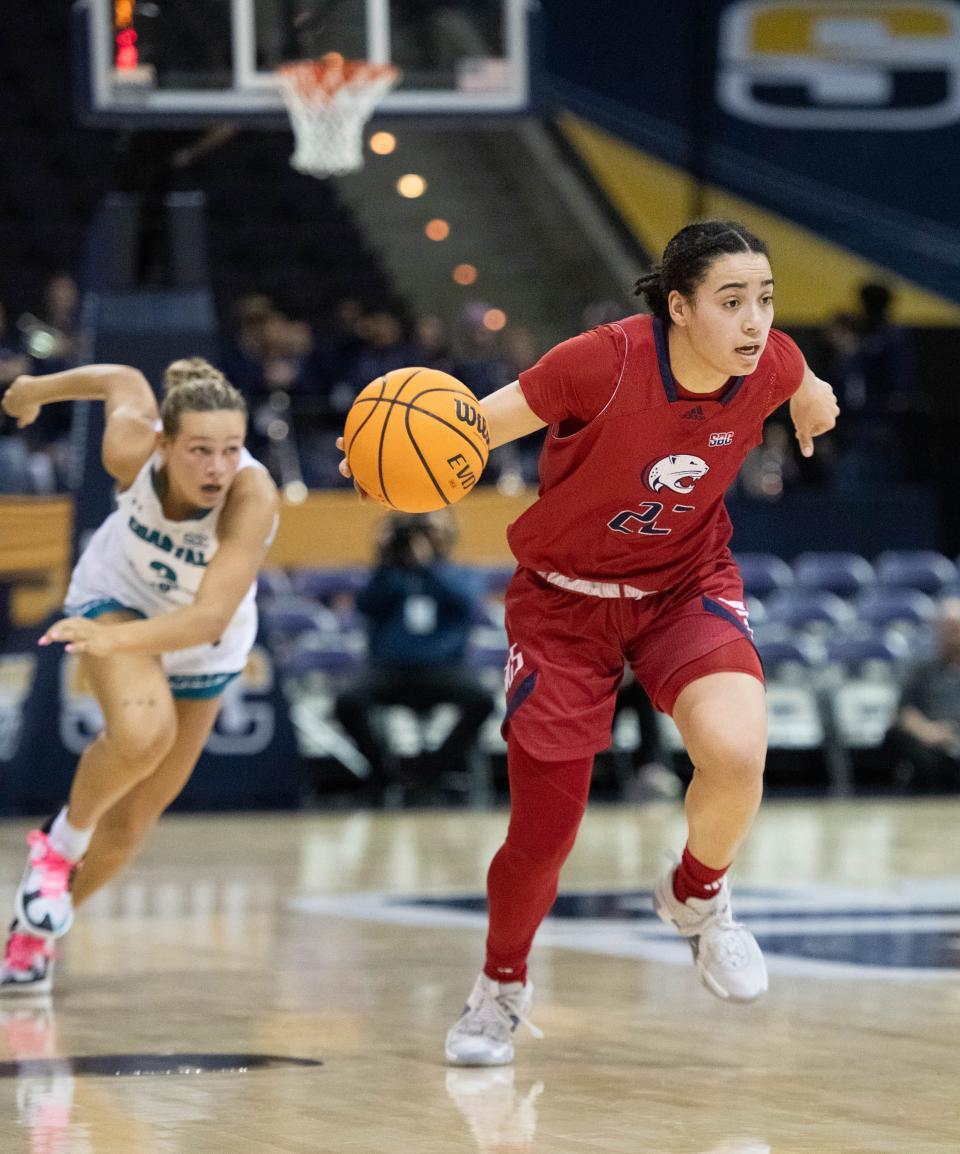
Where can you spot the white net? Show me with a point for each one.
(329, 101)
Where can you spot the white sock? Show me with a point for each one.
(69, 842)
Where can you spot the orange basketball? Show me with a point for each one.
(416, 440)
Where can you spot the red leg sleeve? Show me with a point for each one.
(547, 800)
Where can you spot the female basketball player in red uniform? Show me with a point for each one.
(161, 610)
(625, 557)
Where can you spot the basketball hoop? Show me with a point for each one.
(329, 101)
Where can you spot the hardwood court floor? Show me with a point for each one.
(308, 937)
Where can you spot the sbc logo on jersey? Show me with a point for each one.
(863, 64)
(717, 440)
(678, 472)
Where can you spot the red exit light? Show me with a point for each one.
(126, 57)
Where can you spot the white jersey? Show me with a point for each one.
(141, 560)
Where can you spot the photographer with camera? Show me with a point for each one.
(418, 608)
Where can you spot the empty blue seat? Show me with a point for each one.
(488, 649)
(922, 569)
(809, 608)
(496, 578)
(333, 659)
(883, 608)
(776, 654)
(842, 573)
(855, 652)
(273, 583)
(322, 584)
(323, 652)
(289, 621)
(763, 573)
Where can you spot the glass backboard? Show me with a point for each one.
(185, 61)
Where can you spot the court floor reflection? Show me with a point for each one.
(499, 1116)
(500, 1109)
(44, 1080)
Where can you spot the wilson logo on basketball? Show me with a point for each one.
(472, 417)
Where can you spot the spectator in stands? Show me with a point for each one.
(287, 363)
(518, 463)
(26, 465)
(61, 304)
(926, 732)
(13, 360)
(50, 338)
(872, 360)
(771, 468)
(431, 347)
(337, 342)
(383, 350)
(244, 353)
(418, 609)
(481, 363)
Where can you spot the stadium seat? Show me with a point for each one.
(289, 620)
(407, 732)
(335, 657)
(488, 648)
(273, 583)
(756, 610)
(842, 573)
(798, 714)
(763, 573)
(813, 610)
(323, 584)
(857, 653)
(784, 657)
(864, 698)
(922, 569)
(882, 608)
(496, 578)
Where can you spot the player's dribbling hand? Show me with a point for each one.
(345, 472)
(80, 635)
(814, 410)
(20, 402)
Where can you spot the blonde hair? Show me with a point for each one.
(193, 385)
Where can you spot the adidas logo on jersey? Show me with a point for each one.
(694, 414)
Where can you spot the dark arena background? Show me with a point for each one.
(277, 970)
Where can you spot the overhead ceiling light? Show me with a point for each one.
(383, 143)
(411, 185)
(437, 229)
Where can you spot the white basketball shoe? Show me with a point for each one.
(725, 953)
(44, 903)
(483, 1034)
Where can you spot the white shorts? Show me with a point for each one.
(201, 671)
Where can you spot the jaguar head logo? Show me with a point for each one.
(678, 472)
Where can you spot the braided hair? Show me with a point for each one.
(688, 257)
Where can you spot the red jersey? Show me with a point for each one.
(634, 469)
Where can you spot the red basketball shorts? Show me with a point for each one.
(568, 650)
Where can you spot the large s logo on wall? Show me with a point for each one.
(857, 65)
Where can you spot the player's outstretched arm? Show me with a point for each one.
(813, 410)
(509, 417)
(245, 531)
(130, 409)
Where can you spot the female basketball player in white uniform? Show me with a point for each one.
(160, 610)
